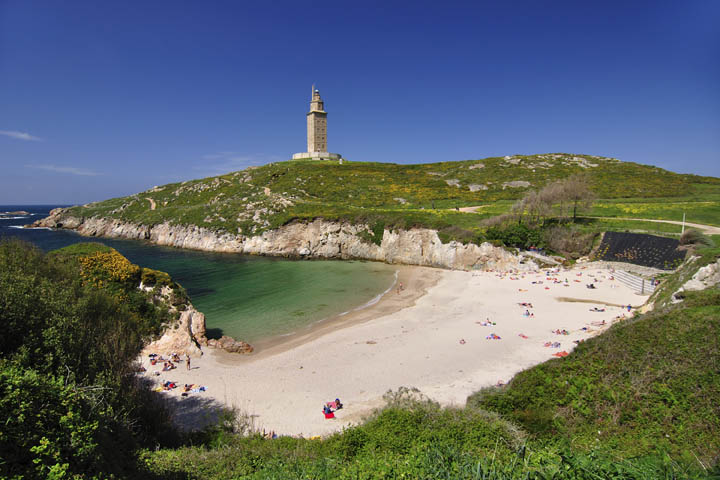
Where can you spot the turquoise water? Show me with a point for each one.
(250, 298)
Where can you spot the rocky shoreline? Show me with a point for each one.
(187, 337)
(316, 239)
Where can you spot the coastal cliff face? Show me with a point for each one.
(316, 239)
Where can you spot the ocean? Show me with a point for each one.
(251, 298)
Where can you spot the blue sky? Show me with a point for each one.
(103, 99)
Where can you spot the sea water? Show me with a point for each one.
(250, 298)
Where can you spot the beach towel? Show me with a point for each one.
(329, 415)
(561, 354)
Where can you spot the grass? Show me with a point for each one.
(414, 441)
(261, 198)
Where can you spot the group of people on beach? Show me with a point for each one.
(168, 363)
(330, 408)
(552, 277)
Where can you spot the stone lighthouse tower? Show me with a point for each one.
(316, 131)
(317, 124)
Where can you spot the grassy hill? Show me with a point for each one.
(261, 198)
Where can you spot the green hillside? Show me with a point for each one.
(261, 198)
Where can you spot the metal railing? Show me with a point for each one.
(637, 284)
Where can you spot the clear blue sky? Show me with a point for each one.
(100, 99)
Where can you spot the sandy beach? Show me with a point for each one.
(429, 336)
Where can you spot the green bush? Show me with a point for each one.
(69, 401)
(516, 235)
(152, 277)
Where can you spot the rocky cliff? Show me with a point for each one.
(316, 239)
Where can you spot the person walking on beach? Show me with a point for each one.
(187, 361)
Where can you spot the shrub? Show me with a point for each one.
(568, 241)
(517, 235)
(455, 233)
(694, 237)
(152, 277)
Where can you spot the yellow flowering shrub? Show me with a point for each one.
(102, 268)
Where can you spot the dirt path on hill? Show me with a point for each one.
(709, 229)
(471, 209)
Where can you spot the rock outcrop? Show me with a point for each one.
(231, 345)
(315, 239)
(706, 277)
(187, 337)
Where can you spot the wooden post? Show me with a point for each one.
(683, 225)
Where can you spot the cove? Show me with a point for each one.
(250, 298)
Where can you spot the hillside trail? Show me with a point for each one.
(708, 229)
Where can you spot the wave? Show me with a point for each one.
(29, 228)
(377, 298)
(12, 218)
(370, 302)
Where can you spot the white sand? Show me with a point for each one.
(386, 346)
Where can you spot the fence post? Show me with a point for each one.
(642, 288)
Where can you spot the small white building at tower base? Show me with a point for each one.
(316, 156)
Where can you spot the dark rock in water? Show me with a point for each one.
(231, 345)
(18, 213)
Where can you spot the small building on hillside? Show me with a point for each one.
(316, 132)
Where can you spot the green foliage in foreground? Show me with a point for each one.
(401, 196)
(416, 440)
(69, 401)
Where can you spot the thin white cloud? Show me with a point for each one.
(71, 170)
(218, 155)
(225, 162)
(20, 135)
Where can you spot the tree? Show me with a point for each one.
(576, 191)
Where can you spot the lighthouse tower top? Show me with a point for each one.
(316, 103)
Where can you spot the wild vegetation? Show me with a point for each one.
(639, 401)
(73, 324)
(401, 196)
